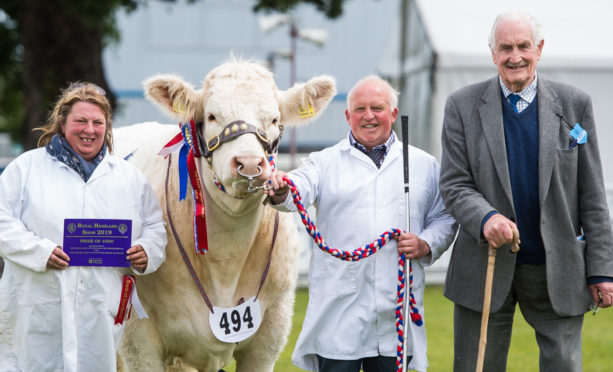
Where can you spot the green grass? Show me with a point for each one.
(523, 355)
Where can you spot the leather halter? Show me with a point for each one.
(232, 131)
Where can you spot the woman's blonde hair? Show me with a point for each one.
(77, 92)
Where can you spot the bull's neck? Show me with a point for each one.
(235, 218)
(232, 227)
(232, 238)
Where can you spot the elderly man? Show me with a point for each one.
(357, 187)
(520, 160)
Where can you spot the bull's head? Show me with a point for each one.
(242, 114)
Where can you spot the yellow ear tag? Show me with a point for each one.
(181, 109)
(305, 112)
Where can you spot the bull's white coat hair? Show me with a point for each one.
(239, 226)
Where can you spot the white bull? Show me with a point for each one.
(240, 228)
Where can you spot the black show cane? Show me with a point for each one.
(407, 318)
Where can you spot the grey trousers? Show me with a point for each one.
(372, 364)
(558, 338)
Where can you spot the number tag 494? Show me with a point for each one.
(234, 324)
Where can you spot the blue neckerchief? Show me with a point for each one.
(59, 148)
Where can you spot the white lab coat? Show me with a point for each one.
(351, 310)
(63, 320)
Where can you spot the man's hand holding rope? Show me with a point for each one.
(412, 246)
(279, 188)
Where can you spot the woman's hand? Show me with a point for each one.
(138, 258)
(58, 259)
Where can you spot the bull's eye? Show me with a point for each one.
(275, 121)
(211, 117)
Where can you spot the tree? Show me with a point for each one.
(58, 41)
(45, 44)
(10, 75)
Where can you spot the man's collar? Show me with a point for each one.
(524, 92)
(387, 144)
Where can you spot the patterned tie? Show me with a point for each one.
(513, 98)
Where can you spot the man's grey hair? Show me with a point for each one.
(537, 35)
(393, 93)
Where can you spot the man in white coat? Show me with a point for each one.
(357, 189)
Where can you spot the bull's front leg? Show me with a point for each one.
(262, 351)
(141, 347)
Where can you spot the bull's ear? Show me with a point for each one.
(306, 101)
(173, 96)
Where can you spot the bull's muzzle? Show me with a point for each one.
(251, 177)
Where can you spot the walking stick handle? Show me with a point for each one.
(515, 247)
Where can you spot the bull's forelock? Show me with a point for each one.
(240, 70)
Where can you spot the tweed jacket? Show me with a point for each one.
(475, 180)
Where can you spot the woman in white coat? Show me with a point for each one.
(55, 316)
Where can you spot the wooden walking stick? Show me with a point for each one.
(487, 297)
(406, 304)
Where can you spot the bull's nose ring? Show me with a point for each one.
(249, 176)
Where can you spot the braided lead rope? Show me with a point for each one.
(363, 252)
(356, 255)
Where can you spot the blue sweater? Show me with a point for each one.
(521, 132)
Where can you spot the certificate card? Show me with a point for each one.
(97, 242)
